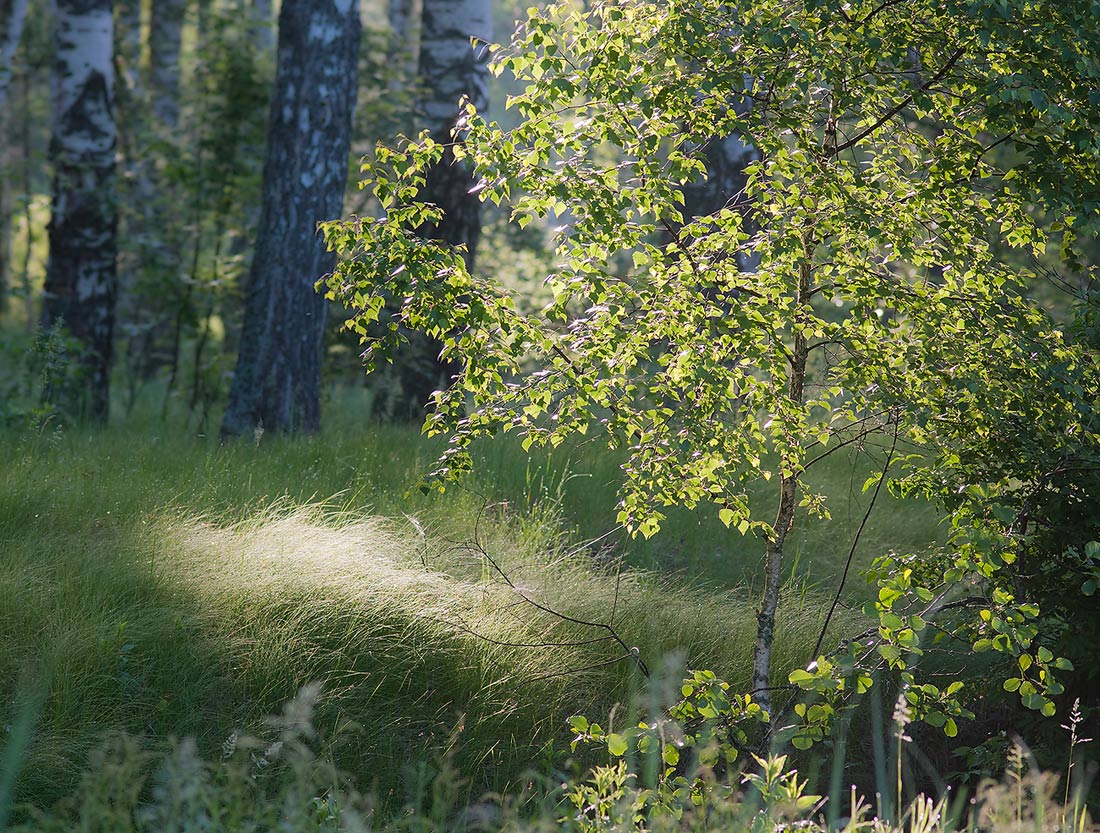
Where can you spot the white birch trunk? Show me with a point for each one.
(80, 276)
(450, 67)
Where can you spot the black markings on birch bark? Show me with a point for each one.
(79, 291)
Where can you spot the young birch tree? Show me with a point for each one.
(277, 382)
(875, 123)
(80, 282)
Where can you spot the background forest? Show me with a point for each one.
(755, 348)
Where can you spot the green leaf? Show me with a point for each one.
(616, 744)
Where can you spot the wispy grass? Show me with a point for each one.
(163, 585)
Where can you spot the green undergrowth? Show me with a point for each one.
(286, 779)
(156, 583)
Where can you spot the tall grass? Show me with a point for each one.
(162, 585)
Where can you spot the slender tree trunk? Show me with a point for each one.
(277, 383)
(264, 30)
(28, 224)
(13, 13)
(788, 501)
(165, 36)
(403, 49)
(80, 275)
(128, 43)
(450, 68)
(6, 213)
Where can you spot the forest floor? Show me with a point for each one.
(156, 583)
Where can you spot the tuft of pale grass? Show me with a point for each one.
(163, 585)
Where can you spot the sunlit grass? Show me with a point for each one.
(164, 585)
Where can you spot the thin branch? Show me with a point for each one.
(855, 543)
(901, 105)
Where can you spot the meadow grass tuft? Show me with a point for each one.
(159, 584)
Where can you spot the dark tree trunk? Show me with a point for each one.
(80, 276)
(449, 68)
(726, 159)
(165, 36)
(277, 383)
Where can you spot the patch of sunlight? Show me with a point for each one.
(367, 558)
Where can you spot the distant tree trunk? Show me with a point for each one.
(277, 383)
(80, 275)
(264, 30)
(726, 159)
(450, 67)
(128, 43)
(13, 13)
(165, 32)
(403, 47)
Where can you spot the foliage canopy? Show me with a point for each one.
(917, 160)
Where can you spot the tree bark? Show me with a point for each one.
(450, 67)
(788, 501)
(277, 383)
(403, 48)
(165, 34)
(13, 14)
(80, 282)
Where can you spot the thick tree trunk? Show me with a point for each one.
(277, 383)
(788, 501)
(449, 67)
(13, 13)
(80, 276)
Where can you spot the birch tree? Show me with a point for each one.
(277, 383)
(165, 37)
(452, 66)
(707, 380)
(402, 51)
(79, 290)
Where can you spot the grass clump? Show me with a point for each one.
(285, 779)
(163, 586)
(155, 583)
